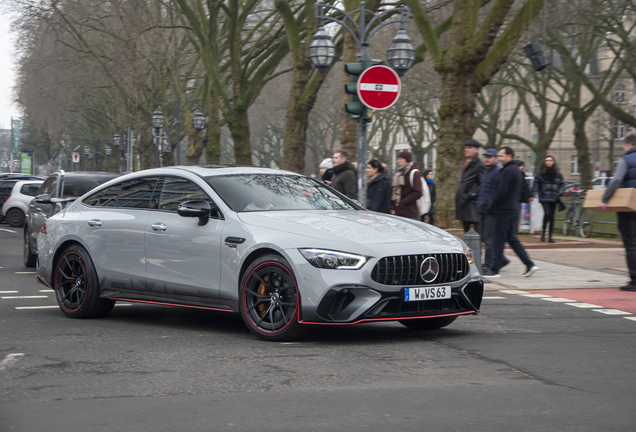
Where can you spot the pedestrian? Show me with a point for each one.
(468, 190)
(326, 169)
(430, 182)
(379, 188)
(548, 187)
(503, 209)
(407, 187)
(525, 194)
(625, 177)
(483, 203)
(344, 178)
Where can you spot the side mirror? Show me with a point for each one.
(43, 199)
(200, 209)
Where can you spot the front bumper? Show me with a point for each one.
(352, 304)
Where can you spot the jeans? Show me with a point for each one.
(627, 227)
(503, 227)
(487, 236)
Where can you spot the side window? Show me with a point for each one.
(104, 198)
(176, 191)
(29, 189)
(136, 193)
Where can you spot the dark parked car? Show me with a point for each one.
(58, 190)
(7, 181)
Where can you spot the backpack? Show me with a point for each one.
(423, 202)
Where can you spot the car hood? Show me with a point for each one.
(362, 227)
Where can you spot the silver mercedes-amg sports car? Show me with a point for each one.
(281, 249)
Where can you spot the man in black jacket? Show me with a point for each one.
(468, 190)
(344, 175)
(503, 210)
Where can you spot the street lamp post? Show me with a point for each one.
(128, 140)
(177, 110)
(400, 56)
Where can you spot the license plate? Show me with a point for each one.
(427, 293)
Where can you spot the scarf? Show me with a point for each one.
(550, 174)
(430, 181)
(399, 182)
(373, 177)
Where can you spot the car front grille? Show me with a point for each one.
(405, 269)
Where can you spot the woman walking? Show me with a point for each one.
(428, 176)
(548, 187)
(378, 188)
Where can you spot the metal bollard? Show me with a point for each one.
(473, 241)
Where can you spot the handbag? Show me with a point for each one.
(561, 205)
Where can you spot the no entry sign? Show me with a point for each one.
(379, 87)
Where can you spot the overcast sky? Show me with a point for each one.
(7, 109)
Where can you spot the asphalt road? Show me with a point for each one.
(524, 364)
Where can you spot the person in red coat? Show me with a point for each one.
(407, 187)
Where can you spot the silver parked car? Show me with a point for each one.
(281, 249)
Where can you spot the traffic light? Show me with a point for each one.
(355, 108)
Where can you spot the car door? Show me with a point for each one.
(113, 223)
(40, 212)
(183, 259)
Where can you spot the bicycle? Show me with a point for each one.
(577, 216)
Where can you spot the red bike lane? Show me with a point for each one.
(607, 298)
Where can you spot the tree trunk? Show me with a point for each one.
(297, 120)
(240, 129)
(348, 127)
(582, 146)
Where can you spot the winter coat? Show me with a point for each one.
(505, 196)
(487, 188)
(431, 187)
(468, 191)
(548, 191)
(379, 194)
(344, 180)
(410, 194)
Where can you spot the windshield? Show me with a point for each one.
(270, 192)
(76, 187)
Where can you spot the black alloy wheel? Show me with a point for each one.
(269, 299)
(28, 256)
(15, 217)
(428, 323)
(76, 285)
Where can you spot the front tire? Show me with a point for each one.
(269, 299)
(428, 323)
(15, 217)
(28, 256)
(76, 285)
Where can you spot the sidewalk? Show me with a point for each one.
(570, 263)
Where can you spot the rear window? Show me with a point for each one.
(30, 189)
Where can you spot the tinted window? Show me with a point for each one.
(136, 193)
(49, 186)
(104, 198)
(176, 191)
(263, 192)
(30, 189)
(76, 187)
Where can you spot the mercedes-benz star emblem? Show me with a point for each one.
(429, 269)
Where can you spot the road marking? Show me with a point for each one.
(46, 290)
(36, 307)
(10, 360)
(513, 292)
(557, 299)
(8, 292)
(630, 318)
(493, 298)
(535, 295)
(583, 305)
(7, 230)
(612, 312)
(22, 297)
(24, 272)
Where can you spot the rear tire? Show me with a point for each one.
(15, 217)
(76, 285)
(28, 256)
(269, 299)
(428, 323)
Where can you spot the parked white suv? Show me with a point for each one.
(16, 205)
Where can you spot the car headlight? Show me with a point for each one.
(470, 255)
(332, 259)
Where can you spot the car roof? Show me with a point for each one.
(215, 170)
(23, 182)
(88, 174)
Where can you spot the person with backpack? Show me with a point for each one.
(407, 187)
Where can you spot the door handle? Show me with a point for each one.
(159, 227)
(95, 223)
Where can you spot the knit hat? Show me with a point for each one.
(405, 155)
(326, 163)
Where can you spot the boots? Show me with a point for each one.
(551, 240)
(543, 235)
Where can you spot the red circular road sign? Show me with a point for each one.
(379, 87)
